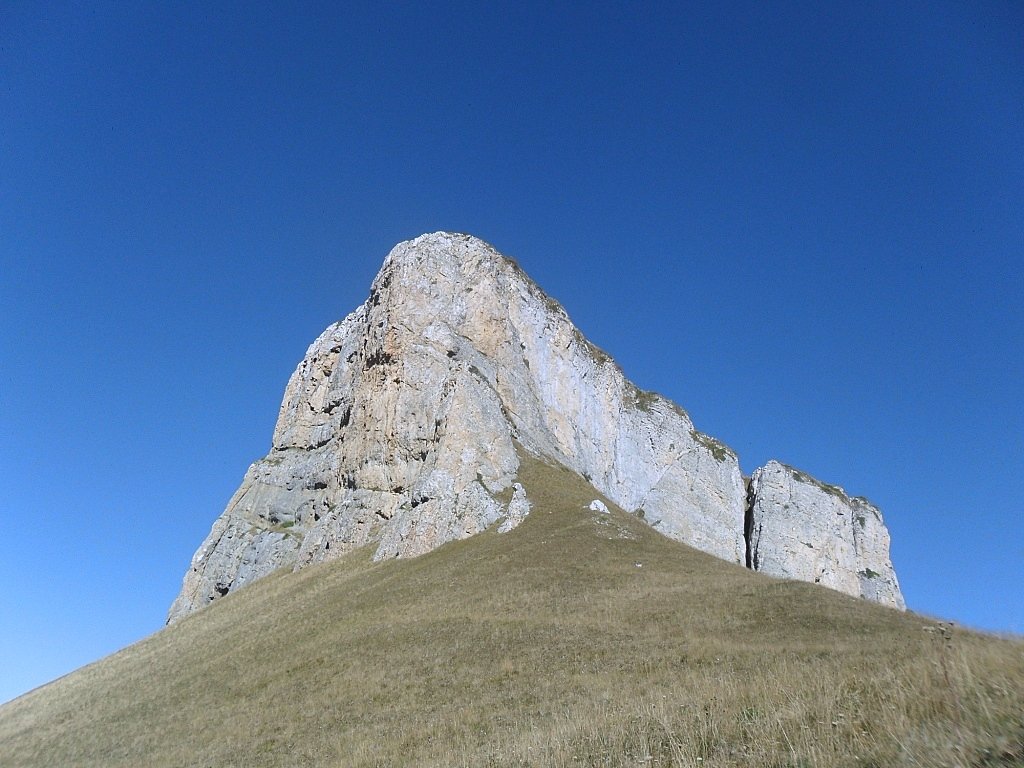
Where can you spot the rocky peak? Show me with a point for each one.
(403, 427)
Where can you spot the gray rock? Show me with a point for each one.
(800, 528)
(400, 428)
(403, 425)
(518, 509)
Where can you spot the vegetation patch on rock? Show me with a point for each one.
(718, 449)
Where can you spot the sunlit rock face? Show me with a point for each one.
(403, 425)
(800, 528)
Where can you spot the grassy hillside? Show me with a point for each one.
(577, 639)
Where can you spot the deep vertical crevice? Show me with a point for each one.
(748, 523)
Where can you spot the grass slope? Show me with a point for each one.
(577, 639)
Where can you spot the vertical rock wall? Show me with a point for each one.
(800, 528)
(402, 426)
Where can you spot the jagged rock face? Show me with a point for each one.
(402, 427)
(800, 528)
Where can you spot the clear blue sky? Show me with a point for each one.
(802, 221)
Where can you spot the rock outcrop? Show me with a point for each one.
(403, 425)
(801, 528)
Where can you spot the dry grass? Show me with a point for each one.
(547, 646)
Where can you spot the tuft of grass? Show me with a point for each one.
(597, 354)
(645, 400)
(718, 449)
(577, 639)
(832, 490)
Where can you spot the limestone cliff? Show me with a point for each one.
(402, 427)
(801, 528)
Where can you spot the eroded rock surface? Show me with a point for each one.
(800, 528)
(402, 427)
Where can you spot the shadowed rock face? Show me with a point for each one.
(403, 426)
(802, 529)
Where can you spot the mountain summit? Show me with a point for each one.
(405, 426)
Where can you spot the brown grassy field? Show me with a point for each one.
(578, 639)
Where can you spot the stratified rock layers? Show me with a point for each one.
(800, 528)
(403, 425)
(400, 426)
